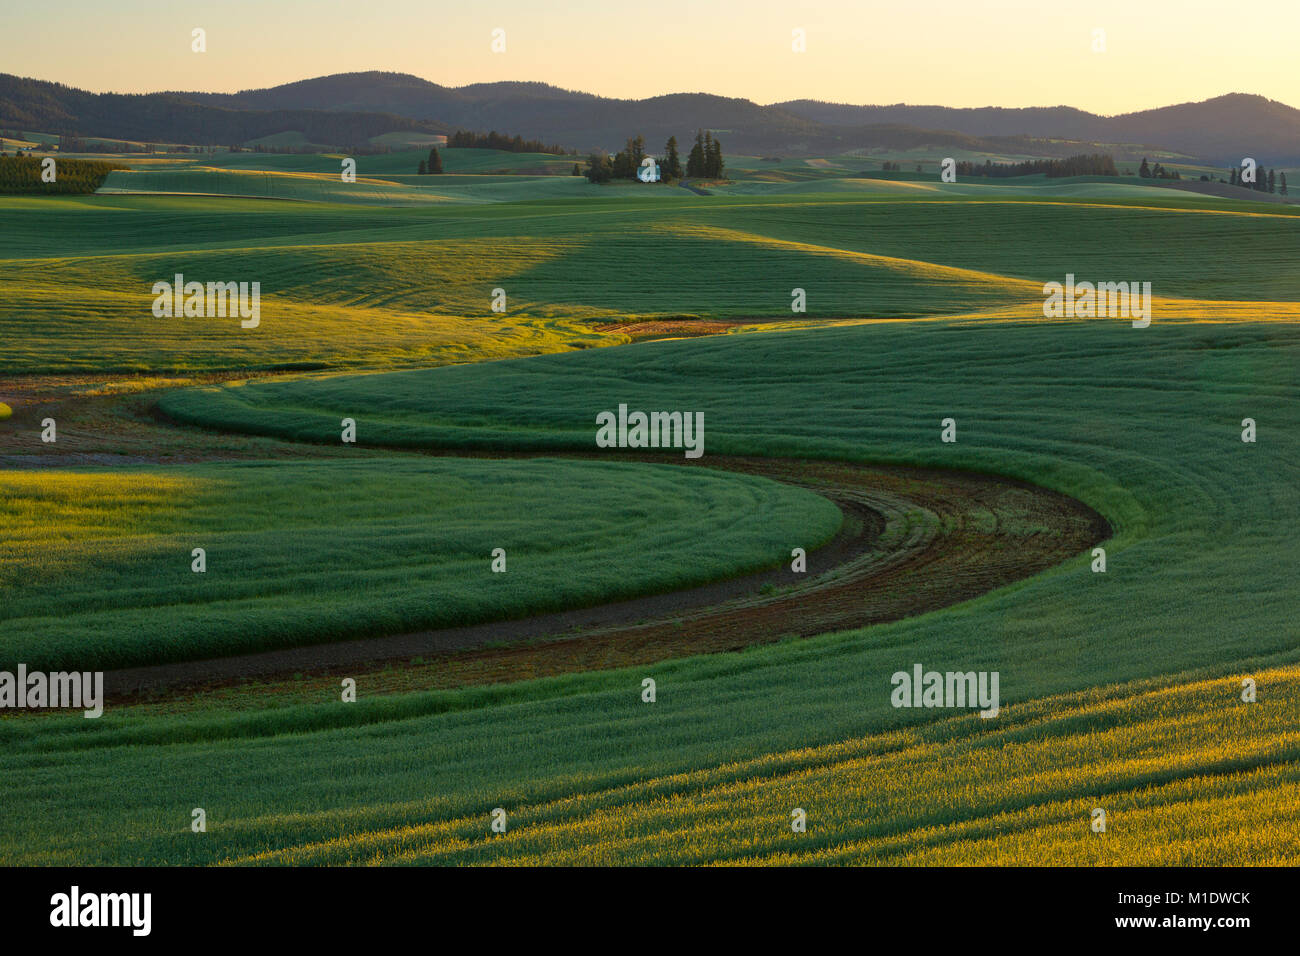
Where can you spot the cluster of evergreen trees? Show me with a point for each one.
(463, 139)
(431, 165)
(601, 167)
(22, 174)
(1095, 164)
(703, 162)
(1157, 171)
(1266, 181)
(705, 159)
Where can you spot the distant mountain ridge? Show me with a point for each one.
(1222, 130)
(40, 106)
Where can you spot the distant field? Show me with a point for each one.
(92, 312)
(299, 187)
(294, 139)
(97, 572)
(400, 161)
(347, 285)
(408, 140)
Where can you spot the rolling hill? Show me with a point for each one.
(1222, 129)
(350, 108)
(27, 104)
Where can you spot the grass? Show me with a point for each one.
(97, 570)
(1119, 689)
(399, 162)
(349, 286)
(953, 793)
(296, 186)
(1142, 424)
(1188, 774)
(386, 179)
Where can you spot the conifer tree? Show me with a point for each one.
(599, 168)
(671, 167)
(636, 152)
(695, 161)
(713, 160)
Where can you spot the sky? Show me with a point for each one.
(968, 53)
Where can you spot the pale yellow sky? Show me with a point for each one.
(968, 53)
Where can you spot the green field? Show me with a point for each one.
(305, 553)
(348, 285)
(1142, 424)
(267, 184)
(1119, 690)
(402, 162)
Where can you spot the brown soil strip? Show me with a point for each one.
(913, 540)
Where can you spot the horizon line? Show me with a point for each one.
(565, 89)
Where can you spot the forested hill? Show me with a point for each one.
(35, 105)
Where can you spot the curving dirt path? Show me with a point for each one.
(913, 540)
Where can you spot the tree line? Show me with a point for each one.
(22, 174)
(1265, 181)
(1095, 164)
(463, 139)
(1157, 171)
(704, 161)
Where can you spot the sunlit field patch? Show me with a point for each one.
(350, 286)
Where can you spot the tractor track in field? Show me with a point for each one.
(913, 540)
